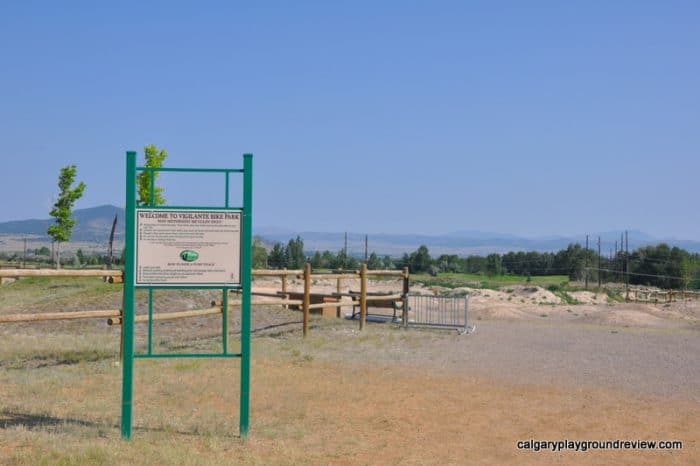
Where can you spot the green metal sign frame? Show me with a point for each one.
(129, 304)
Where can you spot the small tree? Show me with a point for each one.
(294, 253)
(277, 258)
(327, 259)
(154, 159)
(62, 211)
(317, 260)
(339, 261)
(420, 260)
(387, 263)
(493, 265)
(374, 262)
(259, 254)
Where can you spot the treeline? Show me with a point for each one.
(292, 256)
(79, 258)
(661, 265)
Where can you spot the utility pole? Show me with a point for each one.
(622, 263)
(599, 271)
(24, 256)
(627, 267)
(345, 251)
(110, 250)
(586, 261)
(366, 241)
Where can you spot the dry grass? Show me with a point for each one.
(311, 412)
(384, 396)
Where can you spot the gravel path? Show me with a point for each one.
(644, 361)
(641, 361)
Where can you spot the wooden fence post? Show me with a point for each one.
(363, 295)
(284, 288)
(404, 315)
(337, 289)
(307, 296)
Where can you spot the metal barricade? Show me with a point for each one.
(439, 312)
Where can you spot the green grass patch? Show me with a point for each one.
(38, 291)
(560, 290)
(471, 280)
(614, 296)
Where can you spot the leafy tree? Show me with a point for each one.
(474, 264)
(352, 263)
(277, 258)
(448, 263)
(420, 260)
(327, 259)
(317, 260)
(387, 263)
(571, 260)
(154, 159)
(43, 251)
(374, 263)
(661, 266)
(340, 261)
(62, 229)
(294, 253)
(494, 265)
(259, 254)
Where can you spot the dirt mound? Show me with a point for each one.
(532, 295)
(589, 297)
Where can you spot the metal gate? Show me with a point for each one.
(439, 312)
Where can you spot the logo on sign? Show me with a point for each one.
(189, 255)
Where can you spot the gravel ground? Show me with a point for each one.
(642, 361)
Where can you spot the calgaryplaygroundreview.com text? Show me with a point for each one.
(586, 445)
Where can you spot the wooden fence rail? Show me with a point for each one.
(169, 315)
(59, 316)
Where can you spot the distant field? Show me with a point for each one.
(455, 280)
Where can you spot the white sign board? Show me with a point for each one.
(188, 247)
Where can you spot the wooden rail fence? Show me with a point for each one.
(283, 297)
(645, 295)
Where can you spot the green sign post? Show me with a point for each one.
(173, 247)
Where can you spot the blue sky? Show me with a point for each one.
(531, 118)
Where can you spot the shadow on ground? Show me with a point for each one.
(10, 419)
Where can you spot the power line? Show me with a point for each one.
(643, 274)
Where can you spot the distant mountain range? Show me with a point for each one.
(94, 224)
